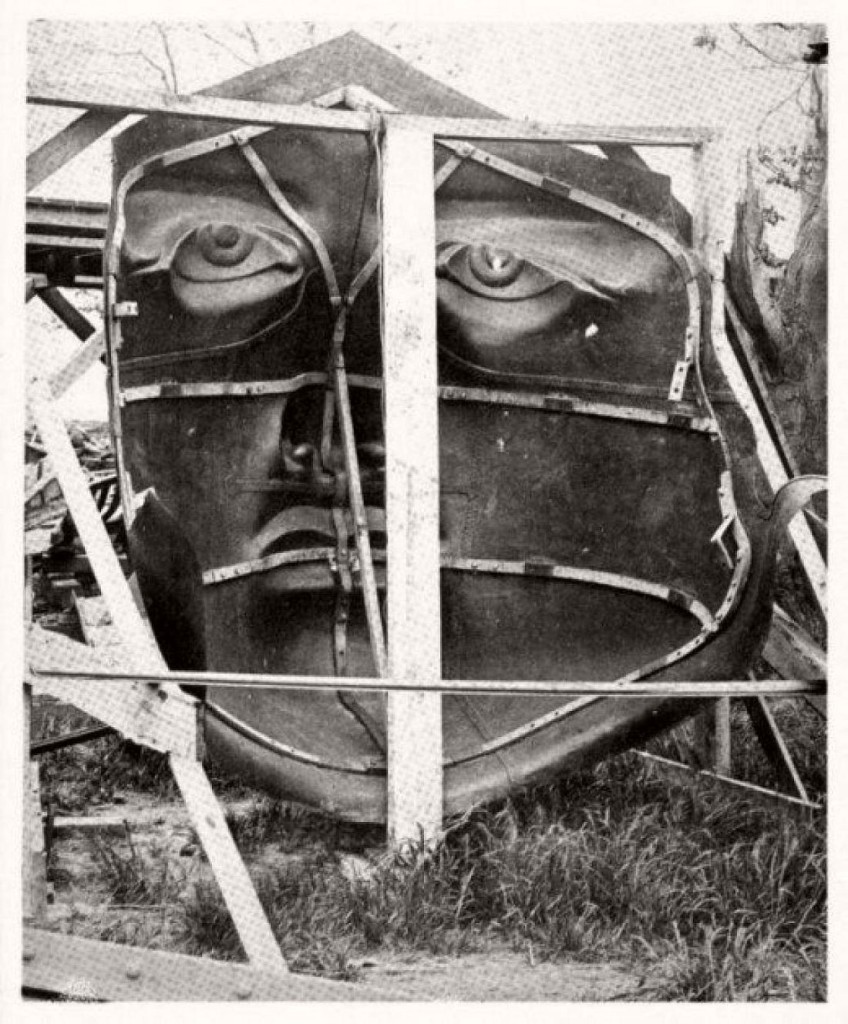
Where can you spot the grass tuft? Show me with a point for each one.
(716, 898)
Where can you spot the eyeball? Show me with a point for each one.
(494, 267)
(224, 245)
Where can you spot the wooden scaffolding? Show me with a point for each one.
(144, 701)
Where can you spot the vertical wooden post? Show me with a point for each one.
(721, 747)
(412, 483)
(34, 861)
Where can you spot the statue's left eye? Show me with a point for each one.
(492, 272)
(494, 267)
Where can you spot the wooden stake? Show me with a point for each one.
(412, 484)
(722, 753)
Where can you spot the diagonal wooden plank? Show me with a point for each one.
(67, 312)
(773, 744)
(165, 723)
(68, 143)
(142, 654)
(84, 357)
(412, 484)
(791, 651)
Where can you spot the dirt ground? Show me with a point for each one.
(160, 834)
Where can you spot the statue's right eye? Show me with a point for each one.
(224, 245)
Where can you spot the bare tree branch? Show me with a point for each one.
(166, 46)
(785, 65)
(254, 42)
(141, 55)
(225, 46)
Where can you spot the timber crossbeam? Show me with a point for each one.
(126, 100)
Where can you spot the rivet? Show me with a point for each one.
(133, 972)
(28, 954)
(244, 991)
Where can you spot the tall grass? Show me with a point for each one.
(712, 897)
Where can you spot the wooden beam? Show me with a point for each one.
(165, 720)
(781, 801)
(129, 100)
(760, 391)
(68, 143)
(92, 532)
(34, 283)
(711, 737)
(415, 789)
(791, 652)
(722, 753)
(124, 100)
(84, 357)
(773, 744)
(207, 816)
(68, 966)
(67, 312)
(34, 861)
(156, 710)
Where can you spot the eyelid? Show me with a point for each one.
(452, 262)
(266, 239)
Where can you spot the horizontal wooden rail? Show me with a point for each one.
(613, 688)
(127, 100)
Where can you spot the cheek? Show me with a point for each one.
(477, 321)
(204, 299)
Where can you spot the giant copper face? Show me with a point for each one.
(589, 525)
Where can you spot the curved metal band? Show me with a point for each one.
(558, 402)
(617, 581)
(377, 767)
(684, 262)
(291, 215)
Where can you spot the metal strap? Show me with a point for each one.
(257, 565)
(559, 402)
(343, 591)
(222, 389)
(553, 570)
(291, 215)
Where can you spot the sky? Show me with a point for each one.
(603, 74)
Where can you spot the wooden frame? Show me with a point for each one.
(413, 682)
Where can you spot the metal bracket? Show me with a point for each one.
(678, 380)
(122, 310)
